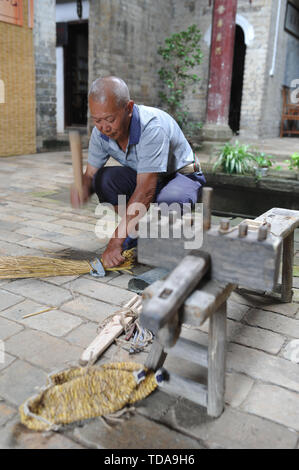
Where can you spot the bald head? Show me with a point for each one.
(103, 89)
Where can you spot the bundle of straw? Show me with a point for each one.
(12, 267)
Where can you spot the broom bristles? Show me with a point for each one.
(12, 267)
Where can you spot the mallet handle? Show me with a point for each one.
(76, 150)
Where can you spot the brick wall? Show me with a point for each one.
(17, 106)
(123, 40)
(45, 70)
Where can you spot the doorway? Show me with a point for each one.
(237, 80)
(76, 74)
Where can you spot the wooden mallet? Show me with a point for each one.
(77, 158)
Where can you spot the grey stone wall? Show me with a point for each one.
(186, 13)
(45, 70)
(123, 40)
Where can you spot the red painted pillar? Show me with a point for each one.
(221, 62)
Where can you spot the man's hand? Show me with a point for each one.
(112, 255)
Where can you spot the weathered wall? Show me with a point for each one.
(123, 40)
(45, 70)
(186, 13)
(17, 106)
(274, 73)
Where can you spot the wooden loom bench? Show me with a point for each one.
(208, 299)
(283, 224)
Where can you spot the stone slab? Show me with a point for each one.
(237, 387)
(8, 328)
(273, 321)
(92, 309)
(43, 350)
(7, 299)
(101, 291)
(6, 413)
(134, 433)
(274, 403)
(262, 366)
(265, 303)
(83, 335)
(236, 311)
(15, 436)
(19, 381)
(232, 430)
(6, 360)
(39, 291)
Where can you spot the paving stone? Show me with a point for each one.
(255, 337)
(11, 236)
(76, 225)
(17, 436)
(89, 308)
(19, 381)
(54, 322)
(134, 433)
(101, 291)
(237, 387)
(156, 405)
(7, 299)
(121, 281)
(249, 336)
(83, 335)
(6, 359)
(40, 244)
(273, 403)
(59, 280)
(8, 328)
(262, 366)
(260, 302)
(232, 430)
(273, 321)
(236, 311)
(6, 413)
(48, 226)
(43, 350)
(39, 291)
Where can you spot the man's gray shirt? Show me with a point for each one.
(156, 144)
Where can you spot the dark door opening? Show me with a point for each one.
(237, 80)
(76, 74)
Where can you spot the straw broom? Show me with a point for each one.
(35, 266)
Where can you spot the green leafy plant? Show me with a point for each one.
(181, 54)
(263, 160)
(235, 158)
(293, 162)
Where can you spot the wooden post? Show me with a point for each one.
(221, 61)
(287, 268)
(76, 150)
(156, 356)
(217, 361)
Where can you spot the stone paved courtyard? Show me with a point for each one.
(262, 383)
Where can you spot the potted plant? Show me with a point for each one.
(234, 158)
(294, 163)
(263, 163)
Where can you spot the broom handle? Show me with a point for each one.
(76, 150)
